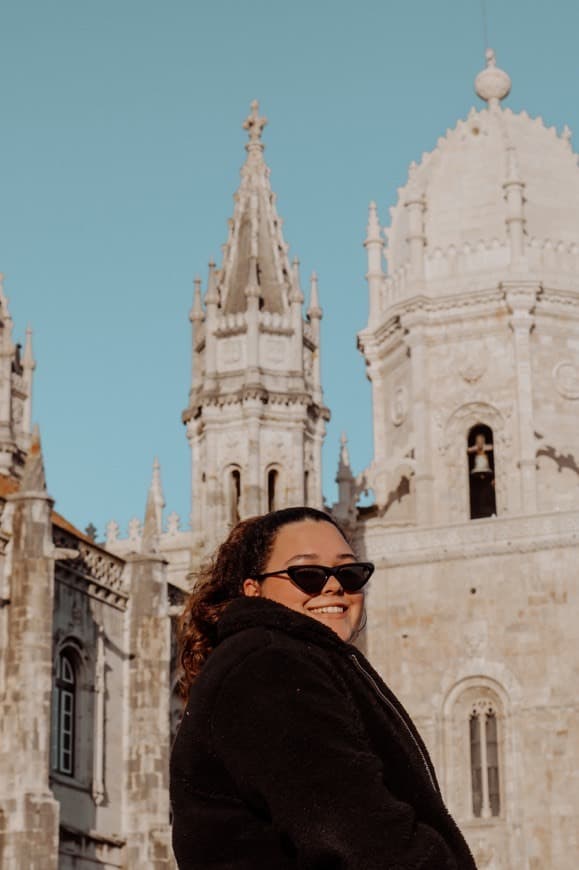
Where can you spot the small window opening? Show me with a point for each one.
(481, 467)
(64, 715)
(272, 489)
(484, 763)
(306, 487)
(234, 496)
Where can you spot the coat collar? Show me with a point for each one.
(249, 612)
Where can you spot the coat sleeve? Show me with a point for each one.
(288, 735)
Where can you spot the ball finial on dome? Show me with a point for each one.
(492, 84)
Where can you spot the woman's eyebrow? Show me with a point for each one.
(348, 555)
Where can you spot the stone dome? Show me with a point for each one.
(461, 186)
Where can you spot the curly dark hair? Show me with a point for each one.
(243, 554)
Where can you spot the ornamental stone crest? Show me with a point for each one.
(474, 364)
(399, 405)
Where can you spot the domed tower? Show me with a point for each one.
(473, 332)
(256, 418)
(472, 348)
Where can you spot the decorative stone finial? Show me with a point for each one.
(212, 296)
(373, 228)
(254, 125)
(492, 84)
(28, 360)
(344, 474)
(314, 310)
(196, 313)
(296, 294)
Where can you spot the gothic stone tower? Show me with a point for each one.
(256, 419)
(472, 348)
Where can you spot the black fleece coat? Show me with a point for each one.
(292, 753)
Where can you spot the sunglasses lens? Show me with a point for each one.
(309, 578)
(353, 577)
(312, 578)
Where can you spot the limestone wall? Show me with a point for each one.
(488, 610)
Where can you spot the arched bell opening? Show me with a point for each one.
(481, 472)
(234, 495)
(272, 489)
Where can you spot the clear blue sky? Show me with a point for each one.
(120, 150)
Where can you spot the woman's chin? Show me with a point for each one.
(339, 624)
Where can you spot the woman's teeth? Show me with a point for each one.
(328, 609)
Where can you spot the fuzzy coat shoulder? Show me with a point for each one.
(293, 753)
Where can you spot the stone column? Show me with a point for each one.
(146, 825)
(196, 318)
(416, 325)
(29, 814)
(521, 300)
(315, 316)
(375, 275)
(296, 302)
(415, 206)
(253, 486)
(514, 189)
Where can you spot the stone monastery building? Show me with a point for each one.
(472, 349)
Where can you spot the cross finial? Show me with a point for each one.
(254, 123)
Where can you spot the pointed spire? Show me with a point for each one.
(157, 491)
(296, 292)
(373, 233)
(344, 467)
(255, 262)
(33, 476)
(153, 525)
(314, 310)
(345, 507)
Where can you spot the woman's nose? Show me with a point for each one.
(332, 586)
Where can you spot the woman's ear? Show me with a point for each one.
(251, 588)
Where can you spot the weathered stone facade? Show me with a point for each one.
(84, 672)
(475, 330)
(472, 348)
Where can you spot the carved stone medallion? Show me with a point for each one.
(566, 378)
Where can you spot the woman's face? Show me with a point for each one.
(312, 543)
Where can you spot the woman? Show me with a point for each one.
(292, 753)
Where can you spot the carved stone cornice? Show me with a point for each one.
(475, 539)
(561, 304)
(246, 393)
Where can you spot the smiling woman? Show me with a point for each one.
(292, 752)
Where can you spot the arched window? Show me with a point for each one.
(64, 714)
(306, 487)
(481, 467)
(480, 776)
(272, 489)
(484, 760)
(234, 495)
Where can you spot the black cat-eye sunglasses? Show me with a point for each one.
(311, 579)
